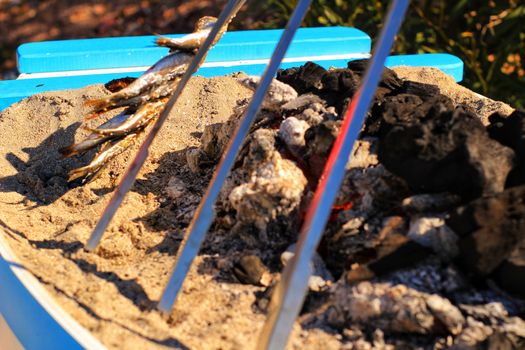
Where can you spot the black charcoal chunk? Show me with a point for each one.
(510, 131)
(491, 228)
(445, 150)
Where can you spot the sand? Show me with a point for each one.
(112, 292)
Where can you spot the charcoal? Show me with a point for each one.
(389, 80)
(490, 228)
(510, 274)
(345, 82)
(431, 276)
(378, 189)
(478, 336)
(251, 270)
(404, 109)
(510, 131)
(369, 254)
(292, 131)
(503, 341)
(446, 151)
(319, 140)
(350, 243)
(364, 153)
(215, 137)
(396, 252)
(425, 91)
(303, 79)
(337, 86)
(370, 193)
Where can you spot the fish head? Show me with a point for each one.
(205, 23)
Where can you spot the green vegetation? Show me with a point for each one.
(489, 36)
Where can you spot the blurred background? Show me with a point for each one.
(489, 36)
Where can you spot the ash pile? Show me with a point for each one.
(425, 246)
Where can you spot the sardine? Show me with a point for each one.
(168, 68)
(191, 41)
(93, 140)
(103, 158)
(138, 120)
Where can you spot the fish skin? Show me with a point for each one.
(93, 140)
(156, 93)
(165, 70)
(136, 121)
(188, 42)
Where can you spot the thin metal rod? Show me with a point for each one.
(205, 212)
(290, 292)
(227, 14)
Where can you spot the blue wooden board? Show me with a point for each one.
(138, 51)
(12, 91)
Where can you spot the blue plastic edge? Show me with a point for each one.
(20, 309)
(12, 91)
(121, 52)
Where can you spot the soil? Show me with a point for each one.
(112, 292)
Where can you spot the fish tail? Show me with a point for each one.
(101, 105)
(90, 129)
(68, 151)
(87, 173)
(160, 41)
(78, 173)
(163, 41)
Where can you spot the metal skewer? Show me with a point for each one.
(227, 14)
(205, 212)
(289, 294)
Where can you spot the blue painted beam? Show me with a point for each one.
(12, 91)
(138, 51)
